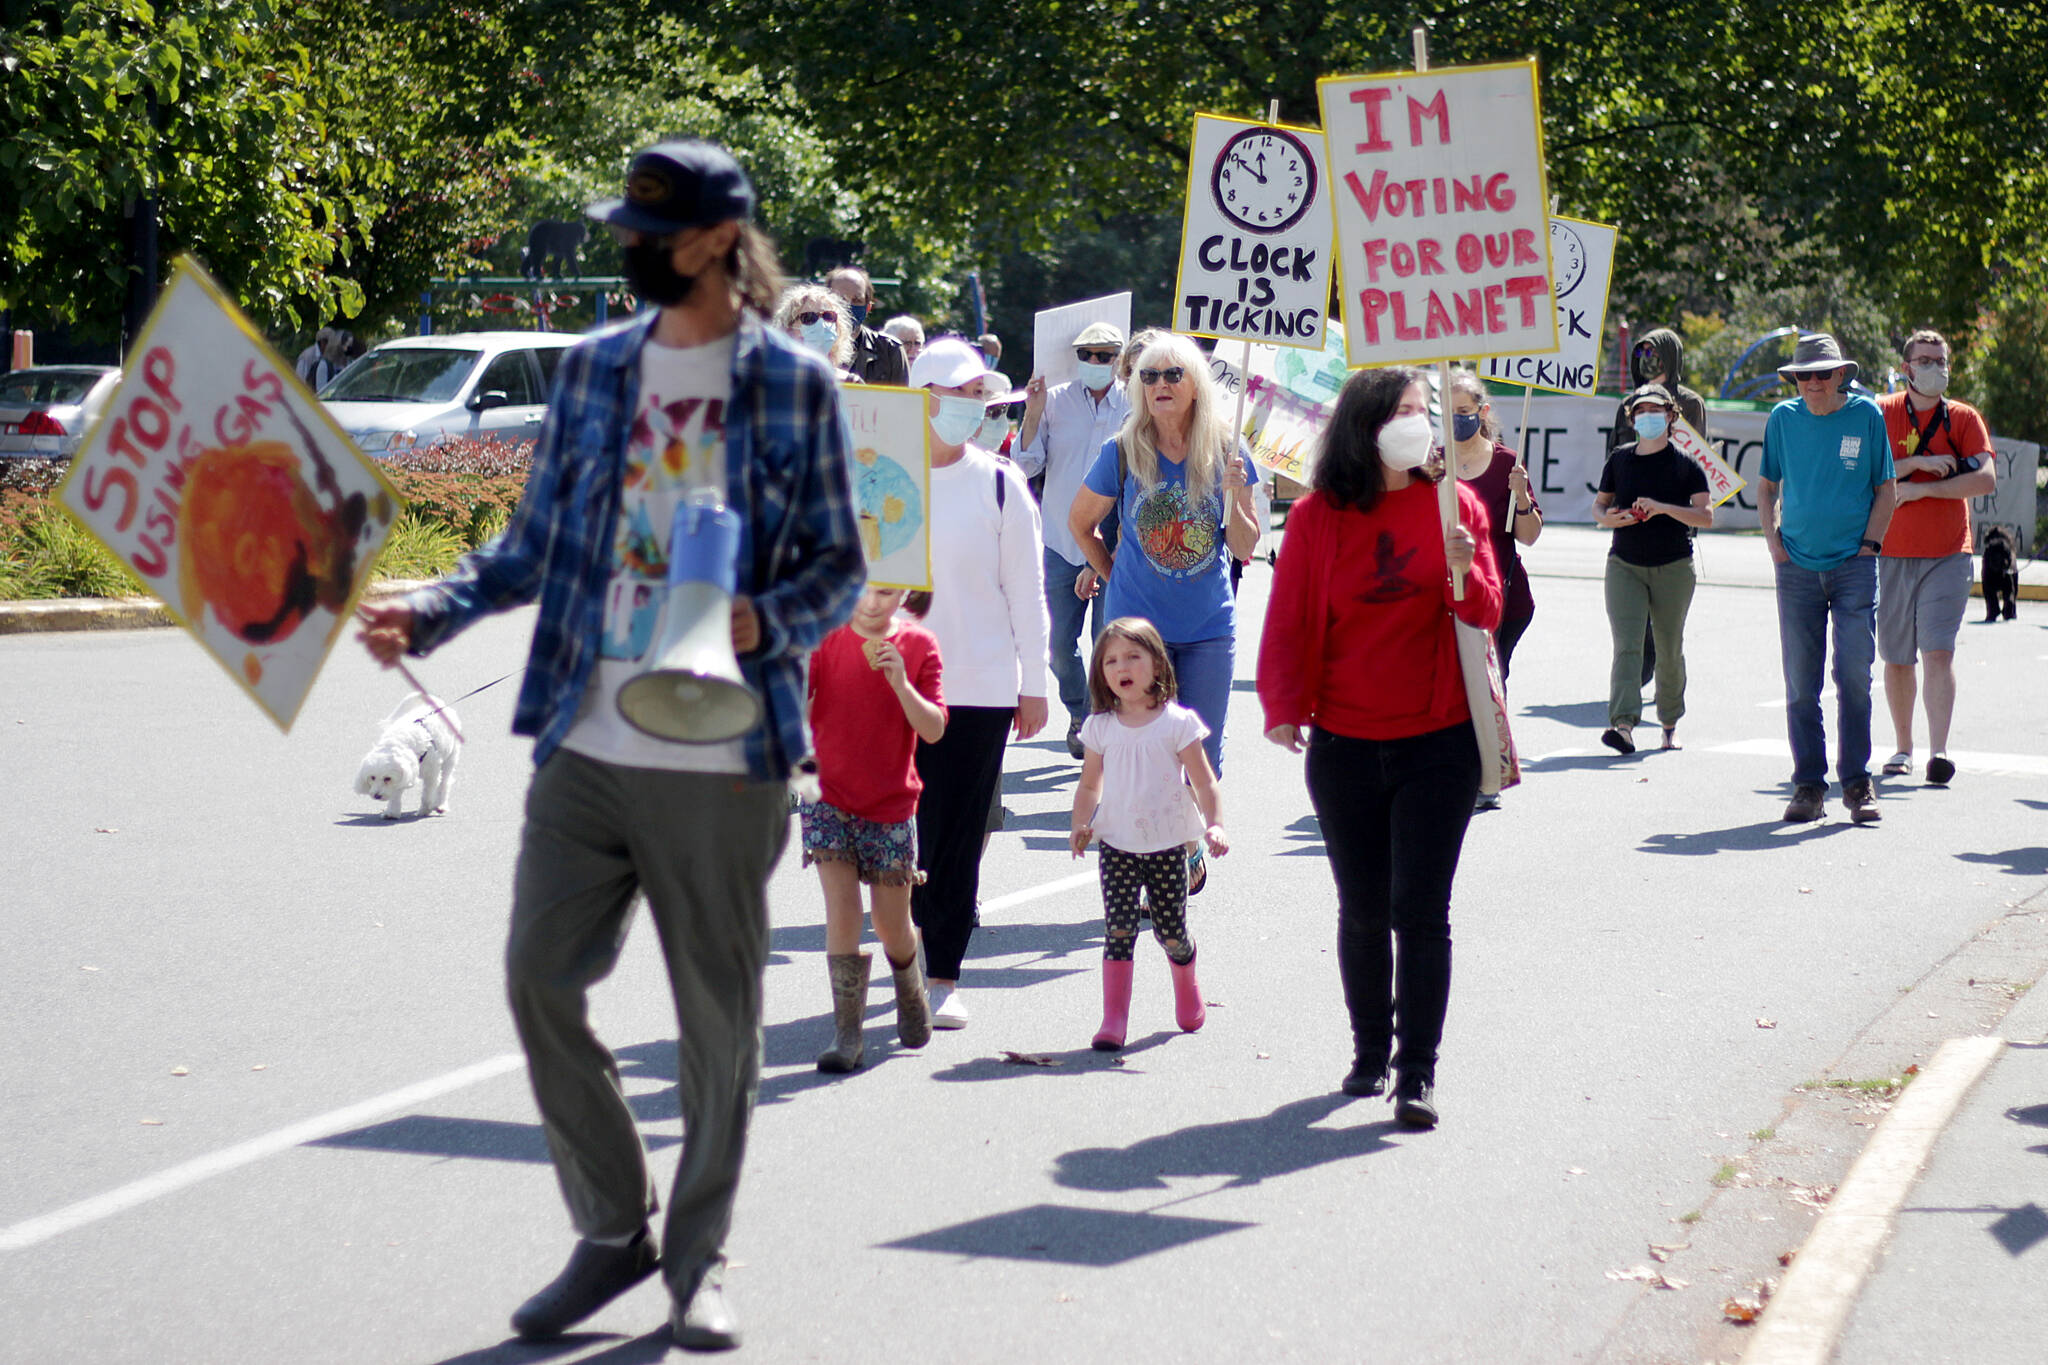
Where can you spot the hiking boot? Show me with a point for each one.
(1861, 801)
(1805, 804)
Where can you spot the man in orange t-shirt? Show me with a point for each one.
(1942, 450)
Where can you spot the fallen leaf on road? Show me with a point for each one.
(181, 1071)
(88, 969)
(153, 1123)
(1813, 1196)
(1263, 1056)
(1785, 1257)
(1660, 1251)
(260, 1066)
(1766, 1023)
(1575, 1170)
(1806, 891)
(1654, 1278)
(104, 829)
(1742, 1308)
(1028, 1059)
(1912, 1070)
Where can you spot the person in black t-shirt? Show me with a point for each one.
(1652, 498)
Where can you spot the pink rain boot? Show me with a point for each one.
(1188, 1010)
(1116, 1005)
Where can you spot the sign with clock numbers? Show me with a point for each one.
(1583, 254)
(1256, 236)
(1442, 206)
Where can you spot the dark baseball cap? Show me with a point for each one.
(677, 185)
(1650, 393)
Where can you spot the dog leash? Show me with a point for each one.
(443, 707)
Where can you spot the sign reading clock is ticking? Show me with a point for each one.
(1257, 235)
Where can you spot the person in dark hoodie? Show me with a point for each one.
(1658, 357)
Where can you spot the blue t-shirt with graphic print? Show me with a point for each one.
(1828, 470)
(1172, 566)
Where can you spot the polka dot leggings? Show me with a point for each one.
(1163, 876)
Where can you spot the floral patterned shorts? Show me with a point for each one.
(882, 855)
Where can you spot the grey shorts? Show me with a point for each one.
(1920, 605)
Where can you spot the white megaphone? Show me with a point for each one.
(692, 691)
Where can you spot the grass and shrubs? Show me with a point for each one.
(458, 495)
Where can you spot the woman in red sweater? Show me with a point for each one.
(1359, 665)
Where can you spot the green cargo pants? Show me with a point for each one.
(1660, 594)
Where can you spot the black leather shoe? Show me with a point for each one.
(706, 1323)
(1365, 1079)
(1415, 1102)
(596, 1274)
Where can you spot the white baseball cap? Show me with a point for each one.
(948, 363)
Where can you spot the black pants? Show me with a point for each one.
(961, 775)
(1163, 877)
(1393, 814)
(1506, 638)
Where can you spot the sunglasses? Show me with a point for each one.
(807, 319)
(1150, 377)
(1820, 377)
(1098, 357)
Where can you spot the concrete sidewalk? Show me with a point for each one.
(1962, 1279)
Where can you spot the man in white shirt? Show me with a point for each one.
(1062, 433)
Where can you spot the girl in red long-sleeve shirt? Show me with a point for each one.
(1359, 665)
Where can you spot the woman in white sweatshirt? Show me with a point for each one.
(988, 612)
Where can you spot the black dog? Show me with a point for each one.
(549, 241)
(2001, 574)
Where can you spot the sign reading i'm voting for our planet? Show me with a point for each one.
(1583, 254)
(1442, 222)
(1255, 239)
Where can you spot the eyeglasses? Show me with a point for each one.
(1098, 357)
(809, 318)
(1150, 377)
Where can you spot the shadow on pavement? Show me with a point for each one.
(455, 1138)
(1585, 715)
(2014, 862)
(641, 1350)
(1247, 1150)
(1067, 1236)
(1305, 835)
(1080, 1061)
(1765, 834)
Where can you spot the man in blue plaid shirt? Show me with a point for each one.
(694, 396)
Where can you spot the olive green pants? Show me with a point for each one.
(1661, 595)
(700, 847)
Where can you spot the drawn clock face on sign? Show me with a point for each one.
(1264, 179)
(1569, 251)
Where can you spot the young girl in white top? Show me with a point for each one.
(1139, 744)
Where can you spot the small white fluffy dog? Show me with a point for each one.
(417, 749)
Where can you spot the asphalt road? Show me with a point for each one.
(261, 1099)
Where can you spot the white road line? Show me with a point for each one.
(1966, 760)
(1810, 1310)
(70, 1218)
(1039, 892)
(74, 1216)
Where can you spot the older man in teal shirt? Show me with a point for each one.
(1824, 497)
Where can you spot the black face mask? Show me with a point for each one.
(653, 276)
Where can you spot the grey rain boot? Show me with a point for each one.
(849, 1006)
(913, 1004)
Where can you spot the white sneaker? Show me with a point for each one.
(948, 1009)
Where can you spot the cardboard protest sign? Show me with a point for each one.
(222, 483)
(1281, 428)
(1442, 221)
(1256, 234)
(1583, 254)
(892, 482)
(1053, 332)
(1723, 483)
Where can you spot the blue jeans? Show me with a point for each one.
(1069, 660)
(1807, 599)
(1203, 668)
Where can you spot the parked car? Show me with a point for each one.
(421, 390)
(46, 409)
